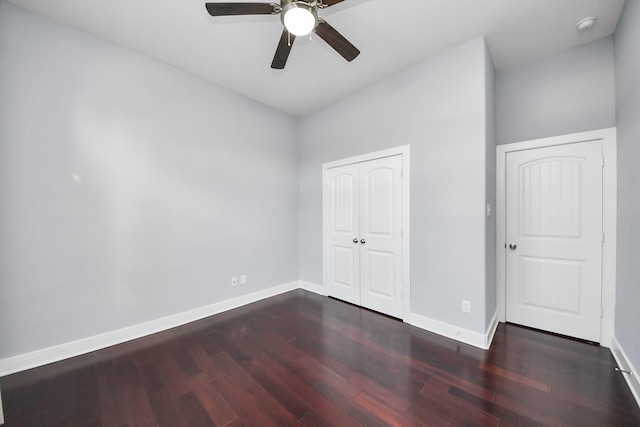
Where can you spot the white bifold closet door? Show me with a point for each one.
(363, 241)
(554, 239)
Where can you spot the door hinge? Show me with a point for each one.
(602, 237)
(601, 312)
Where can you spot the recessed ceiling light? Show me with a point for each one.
(586, 23)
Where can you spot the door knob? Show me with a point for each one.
(363, 241)
(355, 240)
(513, 246)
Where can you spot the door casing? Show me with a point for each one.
(406, 214)
(608, 138)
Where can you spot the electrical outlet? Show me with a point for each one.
(243, 279)
(234, 281)
(466, 306)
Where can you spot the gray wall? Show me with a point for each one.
(627, 60)
(439, 108)
(129, 190)
(572, 91)
(490, 189)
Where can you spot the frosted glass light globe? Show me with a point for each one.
(299, 21)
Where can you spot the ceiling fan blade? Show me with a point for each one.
(226, 9)
(283, 50)
(337, 41)
(328, 3)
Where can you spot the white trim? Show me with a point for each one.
(313, 287)
(608, 138)
(609, 248)
(405, 151)
(56, 353)
(453, 332)
(60, 352)
(1, 413)
(491, 330)
(406, 228)
(624, 363)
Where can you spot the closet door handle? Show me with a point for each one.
(363, 241)
(355, 240)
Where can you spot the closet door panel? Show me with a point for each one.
(342, 215)
(381, 235)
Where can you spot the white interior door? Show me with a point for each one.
(381, 235)
(363, 241)
(342, 222)
(554, 236)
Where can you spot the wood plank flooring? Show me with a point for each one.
(300, 359)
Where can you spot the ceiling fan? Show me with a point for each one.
(299, 19)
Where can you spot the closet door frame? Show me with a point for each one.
(404, 151)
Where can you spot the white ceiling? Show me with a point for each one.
(236, 52)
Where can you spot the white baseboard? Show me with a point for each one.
(476, 339)
(312, 287)
(64, 351)
(633, 380)
(482, 341)
(466, 336)
(491, 331)
(56, 353)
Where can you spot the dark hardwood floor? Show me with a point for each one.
(302, 359)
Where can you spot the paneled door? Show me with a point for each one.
(554, 234)
(342, 240)
(363, 242)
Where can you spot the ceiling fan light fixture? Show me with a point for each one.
(299, 18)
